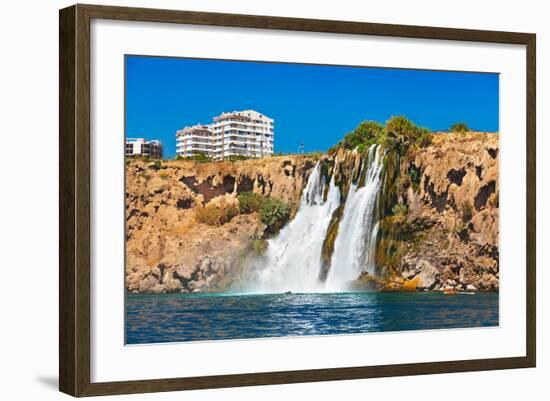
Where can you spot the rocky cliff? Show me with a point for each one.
(437, 215)
(168, 249)
(443, 230)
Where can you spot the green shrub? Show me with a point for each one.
(366, 133)
(216, 214)
(249, 202)
(198, 157)
(274, 213)
(460, 128)
(415, 175)
(424, 139)
(401, 133)
(235, 158)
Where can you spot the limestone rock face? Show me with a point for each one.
(453, 195)
(445, 234)
(167, 250)
(428, 276)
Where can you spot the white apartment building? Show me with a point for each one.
(193, 140)
(144, 148)
(239, 133)
(242, 133)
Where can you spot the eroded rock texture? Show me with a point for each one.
(167, 249)
(452, 199)
(438, 215)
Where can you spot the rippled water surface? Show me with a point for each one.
(190, 317)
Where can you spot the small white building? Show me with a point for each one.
(193, 140)
(245, 133)
(144, 148)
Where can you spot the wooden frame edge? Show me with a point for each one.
(67, 132)
(300, 376)
(301, 24)
(531, 200)
(74, 204)
(74, 199)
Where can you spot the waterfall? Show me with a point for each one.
(292, 258)
(355, 245)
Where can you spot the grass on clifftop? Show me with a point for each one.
(460, 128)
(201, 157)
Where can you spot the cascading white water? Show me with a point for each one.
(355, 244)
(293, 258)
(292, 261)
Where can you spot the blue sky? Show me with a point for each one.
(312, 104)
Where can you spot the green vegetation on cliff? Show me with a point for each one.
(201, 157)
(274, 213)
(249, 202)
(398, 134)
(197, 157)
(367, 133)
(401, 133)
(399, 138)
(216, 214)
(460, 128)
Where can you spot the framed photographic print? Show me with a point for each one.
(280, 200)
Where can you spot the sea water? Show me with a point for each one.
(161, 318)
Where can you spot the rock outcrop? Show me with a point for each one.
(167, 249)
(450, 191)
(438, 214)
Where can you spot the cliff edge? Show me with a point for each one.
(437, 216)
(444, 231)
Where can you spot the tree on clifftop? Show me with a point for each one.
(368, 133)
(399, 134)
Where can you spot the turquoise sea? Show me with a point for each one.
(161, 318)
